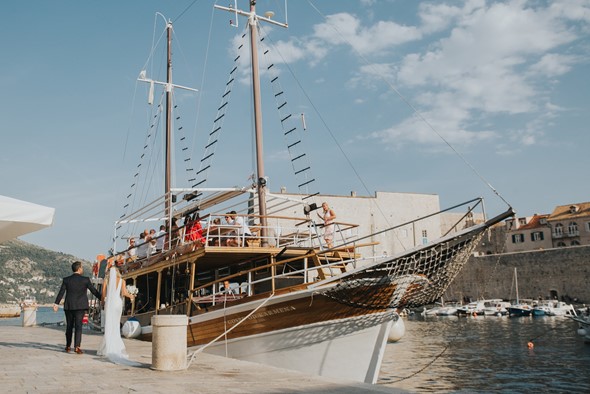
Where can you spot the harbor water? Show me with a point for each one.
(45, 316)
(488, 354)
(471, 354)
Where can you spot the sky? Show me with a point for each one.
(459, 98)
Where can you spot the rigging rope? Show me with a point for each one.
(215, 133)
(199, 350)
(291, 134)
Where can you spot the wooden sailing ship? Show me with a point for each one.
(275, 294)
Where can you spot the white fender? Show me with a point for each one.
(398, 329)
(131, 329)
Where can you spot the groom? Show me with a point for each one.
(75, 304)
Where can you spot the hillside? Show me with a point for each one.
(29, 269)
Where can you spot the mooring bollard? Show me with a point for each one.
(169, 342)
(29, 316)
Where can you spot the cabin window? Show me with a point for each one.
(572, 228)
(517, 238)
(537, 236)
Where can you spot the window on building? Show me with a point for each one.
(572, 228)
(537, 236)
(424, 237)
(558, 230)
(588, 226)
(522, 221)
(560, 244)
(517, 238)
(575, 242)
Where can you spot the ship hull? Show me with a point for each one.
(303, 331)
(347, 349)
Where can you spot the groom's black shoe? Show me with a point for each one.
(78, 350)
(67, 349)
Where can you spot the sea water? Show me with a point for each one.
(45, 316)
(488, 354)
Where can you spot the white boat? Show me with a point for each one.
(442, 309)
(449, 309)
(542, 308)
(560, 308)
(520, 307)
(583, 326)
(299, 304)
(478, 308)
(10, 310)
(496, 308)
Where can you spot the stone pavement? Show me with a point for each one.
(32, 360)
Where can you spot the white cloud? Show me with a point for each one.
(436, 17)
(447, 125)
(553, 64)
(496, 59)
(577, 10)
(344, 28)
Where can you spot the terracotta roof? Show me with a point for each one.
(535, 222)
(562, 212)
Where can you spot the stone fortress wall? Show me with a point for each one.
(561, 272)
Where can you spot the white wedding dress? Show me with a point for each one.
(112, 346)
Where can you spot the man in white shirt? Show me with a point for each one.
(160, 238)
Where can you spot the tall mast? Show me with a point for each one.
(260, 179)
(168, 86)
(168, 153)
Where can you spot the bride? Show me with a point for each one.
(113, 291)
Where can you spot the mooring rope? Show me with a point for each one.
(199, 350)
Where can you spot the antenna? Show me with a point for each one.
(235, 7)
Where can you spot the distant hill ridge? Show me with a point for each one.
(27, 269)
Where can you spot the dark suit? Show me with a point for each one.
(75, 287)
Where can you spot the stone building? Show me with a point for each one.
(567, 225)
(570, 225)
(529, 233)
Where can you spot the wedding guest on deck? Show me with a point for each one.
(214, 233)
(328, 218)
(242, 232)
(160, 238)
(131, 250)
(142, 247)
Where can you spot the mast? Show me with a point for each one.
(516, 284)
(168, 153)
(169, 87)
(260, 179)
